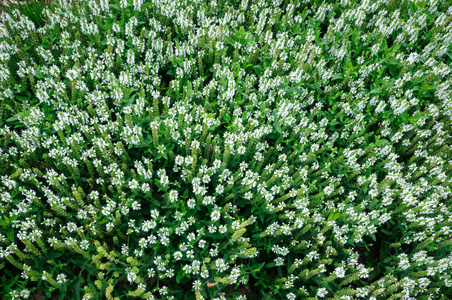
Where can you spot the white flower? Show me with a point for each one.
(197, 285)
(178, 255)
(223, 229)
(173, 195)
(110, 226)
(291, 296)
(219, 189)
(4, 252)
(25, 294)
(84, 244)
(322, 292)
(71, 227)
(340, 272)
(191, 203)
(61, 278)
(279, 261)
(131, 276)
(241, 150)
(179, 160)
(133, 184)
(404, 263)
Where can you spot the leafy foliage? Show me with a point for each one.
(226, 150)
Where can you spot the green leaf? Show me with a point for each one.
(179, 276)
(387, 259)
(376, 91)
(244, 115)
(132, 99)
(338, 76)
(381, 142)
(334, 216)
(257, 268)
(53, 255)
(10, 234)
(270, 265)
(298, 90)
(229, 40)
(284, 88)
(258, 69)
(247, 41)
(12, 119)
(227, 117)
(13, 281)
(316, 87)
(374, 238)
(146, 5)
(278, 127)
(185, 195)
(39, 74)
(21, 98)
(76, 288)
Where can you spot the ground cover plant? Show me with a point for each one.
(226, 150)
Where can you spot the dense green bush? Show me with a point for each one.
(227, 150)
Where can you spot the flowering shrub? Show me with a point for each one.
(227, 150)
